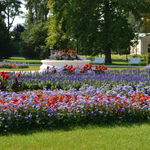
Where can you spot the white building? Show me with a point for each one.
(143, 45)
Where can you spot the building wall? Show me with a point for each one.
(136, 48)
(141, 47)
(144, 46)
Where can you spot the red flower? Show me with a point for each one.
(73, 69)
(14, 66)
(70, 67)
(2, 73)
(18, 75)
(6, 76)
(65, 66)
(96, 67)
(90, 66)
(85, 66)
(47, 67)
(15, 100)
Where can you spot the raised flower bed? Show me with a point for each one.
(62, 58)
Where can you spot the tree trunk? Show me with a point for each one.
(30, 15)
(107, 48)
(63, 44)
(8, 24)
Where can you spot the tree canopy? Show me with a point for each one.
(11, 9)
(99, 24)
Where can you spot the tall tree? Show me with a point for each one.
(37, 10)
(12, 9)
(5, 41)
(99, 24)
(34, 42)
(18, 29)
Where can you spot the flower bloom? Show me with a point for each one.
(18, 75)
(6, 76)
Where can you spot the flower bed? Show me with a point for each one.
(54, 108)
(7, 64)
(63, 55)
(136, 79)
(74, 96)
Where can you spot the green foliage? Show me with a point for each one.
(99, 26)
(37, 11)
(148, 58)
(16, 41)
(5, 41)
(33, 45)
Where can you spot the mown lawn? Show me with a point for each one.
(116, 60)
(35, 67)
(23, 60)
(92, 137)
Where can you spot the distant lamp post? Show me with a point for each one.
(51, 51)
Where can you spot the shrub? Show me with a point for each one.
(148, 58)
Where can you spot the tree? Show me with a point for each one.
(56, 34)
(18, 29)
(12, 9)
(38, 10)
(33, 45)
(99, 24)
(16, 39)
(5, 41)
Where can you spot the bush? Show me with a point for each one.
(148, 58)
(136, 55)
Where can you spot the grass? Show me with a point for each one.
(34, 67)
(121, 59)
(91, 137)
(23, 60)
(116, 60)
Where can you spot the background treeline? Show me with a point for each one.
(89, 27)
